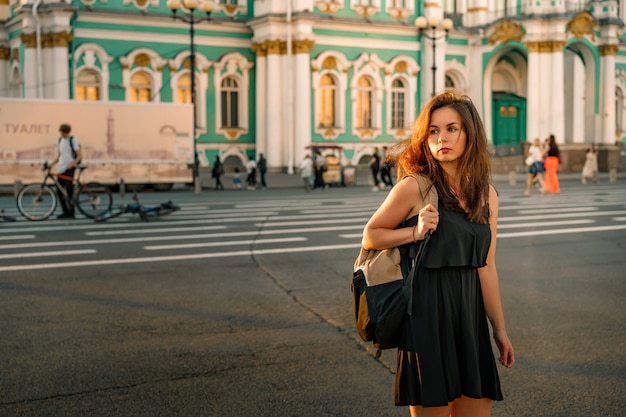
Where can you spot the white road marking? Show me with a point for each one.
(17, 237)
(225, 243)
(117, 261)
(53, 253)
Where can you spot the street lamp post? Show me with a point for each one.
(421, 23)
(191, 18)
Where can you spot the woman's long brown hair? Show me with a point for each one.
(413, 156)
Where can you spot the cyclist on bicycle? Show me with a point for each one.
(68, 157)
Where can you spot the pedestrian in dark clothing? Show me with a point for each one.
(218, 170)
(385, 169)
(262, 166)
(318, 163)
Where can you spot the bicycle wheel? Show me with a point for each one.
(36, 202)
(93, 199)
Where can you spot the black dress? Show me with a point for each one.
(445, 351)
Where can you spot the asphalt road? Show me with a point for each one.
(239, 305)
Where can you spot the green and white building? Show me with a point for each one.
(276, 76)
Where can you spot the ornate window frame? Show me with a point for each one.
(365, 8)
(407, 69)
(179, 67)
(368, 65)
(141, 4)
(230, 9)
(91, 55)
(400, 11)
(329, 6)
(233, 65)
(336, 65)
(146, 60)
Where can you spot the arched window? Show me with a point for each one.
(364, 103)
(398, 104)
(88, 85)
(326, 101)
(449, 82)
(140, 87)
(183, 89)
(230, 102)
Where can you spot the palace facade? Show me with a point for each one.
(277, 76)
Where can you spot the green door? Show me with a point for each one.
(509, 119)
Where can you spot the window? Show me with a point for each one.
(230, 102)
(140, 88)
(326, 101)
(398, 104)
(88, 85)
(364, 103)
(183, 95)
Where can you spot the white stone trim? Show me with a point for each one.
(339, 74)
(90, 52)
(368, 65)
(237, 66)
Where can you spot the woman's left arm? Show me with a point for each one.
(491, 289)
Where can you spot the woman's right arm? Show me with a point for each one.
(380, 231)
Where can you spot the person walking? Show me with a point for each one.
(385, 170)
(551, 163)
(262, 165)
(590, 168)
(375, 167)
(445, 363)
(318, 164)
(306, 171)
(251, 171)
(535, 169)
(69, 155)
(216, 172)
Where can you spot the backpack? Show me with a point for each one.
(71, 146)
(382, 294)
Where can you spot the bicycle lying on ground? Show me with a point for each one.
(38, 201)
(145, 212)
(4, 217)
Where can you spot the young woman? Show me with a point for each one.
(552, 161)
(445, 363)
(535, 171)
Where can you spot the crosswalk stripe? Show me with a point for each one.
(118, 261)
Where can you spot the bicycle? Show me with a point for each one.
(4, 217)
(37, 202)
(145, 212)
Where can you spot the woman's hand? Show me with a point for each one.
(427, 221)
(507, 356)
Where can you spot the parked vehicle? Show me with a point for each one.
(138, 144)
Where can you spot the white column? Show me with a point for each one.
(557, 94)
(61, 73)
(261, 100)
(544, 122)
(5, 73)
(607, 62)
(302, 111)
(274, 104)
(30, 72)
(532, 96)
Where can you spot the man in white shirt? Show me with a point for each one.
(68, 156)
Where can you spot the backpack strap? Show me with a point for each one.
(429, 196)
